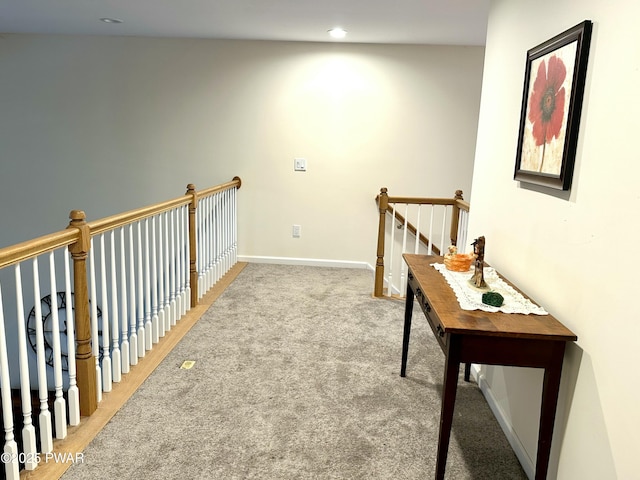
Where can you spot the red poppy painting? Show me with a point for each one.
(554, 85)
(546, 103)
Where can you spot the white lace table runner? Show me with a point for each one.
(470, 298)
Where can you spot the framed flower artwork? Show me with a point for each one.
(554, 81)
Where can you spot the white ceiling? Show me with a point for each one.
(448, 22)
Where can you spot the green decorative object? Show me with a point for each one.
(492, 298)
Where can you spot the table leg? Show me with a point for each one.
(408, 311)
(467, 372)
(550, 389)
(449, 388)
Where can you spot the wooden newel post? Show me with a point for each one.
(85, 362)
(455, 218)
(383, 203)
(193, 271)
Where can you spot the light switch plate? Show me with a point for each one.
(300, 164)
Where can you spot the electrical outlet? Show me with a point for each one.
(296, 231)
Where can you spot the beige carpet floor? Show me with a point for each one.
(296, 376)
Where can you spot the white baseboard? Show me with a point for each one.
(527, 464)
(313, 262)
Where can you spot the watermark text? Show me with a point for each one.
(37, 457)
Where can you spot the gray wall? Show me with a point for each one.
(109, 124)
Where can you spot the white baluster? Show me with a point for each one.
(187, 245)
(214, 240)
(124, 345)
(462, 231)
(59, 404)
(178, 261)
(173, 269)
(140, 273)
(155, 333)
(429, 249)
(133, 335)
(443, 234)
(116, 359)
(202, 246)
(161, 300)
(417, 244)
(225, 232)
(28, 430)
(44, 419)
(12, 467)
(221, 236)
(405, 229)
(235, 225)
(199, 249)
(219, 229)
(391, 252)
(230, 227)
(210, 241)
(167, 275)
(106, 357)
(186, 303)
(184, 263)
(95, 346)
(148, 333)
(73, 396)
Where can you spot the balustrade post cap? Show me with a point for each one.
(383, 190)
(191, 187)
(77, 215)
(80, 248)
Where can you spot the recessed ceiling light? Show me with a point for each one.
(338, 32)
(110, 20)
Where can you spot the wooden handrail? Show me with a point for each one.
(120, 219)
(422, 201)
(31, 248)
(462, 204)
(22, 251)
(236, 182)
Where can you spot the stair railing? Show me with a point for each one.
(146, 269)
(405, 233)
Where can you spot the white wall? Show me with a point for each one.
(573, 253)
(110, 124)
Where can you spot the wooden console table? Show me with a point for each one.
(484, 338)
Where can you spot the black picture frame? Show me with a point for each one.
(554, 79)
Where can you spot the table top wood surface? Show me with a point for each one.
(445, 306)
